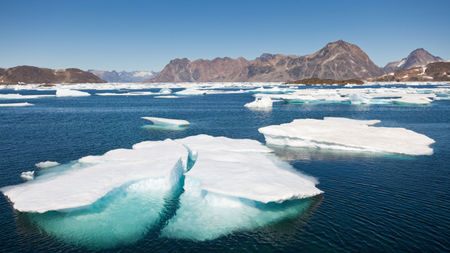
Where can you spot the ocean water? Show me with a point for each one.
(371, 202)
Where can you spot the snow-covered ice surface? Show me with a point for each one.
(235, 185)
(94, 176)
(347, 136)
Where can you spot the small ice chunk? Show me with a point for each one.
(260, 102)
(354, 121)
(27, 176)
(165, 91)
(358, 98)
(347, 136)
(70, 93)
(163, 121)
(46, 165)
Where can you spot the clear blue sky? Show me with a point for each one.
(146, 35)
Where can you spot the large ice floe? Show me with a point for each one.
(71, 93)
(235, 185)
(344, 135)
(116, 198)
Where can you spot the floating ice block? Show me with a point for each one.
(347, 136)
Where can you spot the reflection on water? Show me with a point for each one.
(166, 127)
(287, 153)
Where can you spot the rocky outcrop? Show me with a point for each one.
(183, 70)
(338, 60)
(35, 75)
(416, 58)
(437, 71)
(124, 76)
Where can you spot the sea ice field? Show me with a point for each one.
(252, 167)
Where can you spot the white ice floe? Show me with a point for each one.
(354, 121)
(166, 97)
(163, 121)
(190, 92)
(70, 93)
(16, 104)
(160, 164)
(232, 168)
(46, 165)
(229, 187)
(165, 91)
(27, 176)
(18, 96)
(260, 102)
(347, 136)
(413, 99)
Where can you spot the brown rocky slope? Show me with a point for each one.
(35, 75)
(337, 60)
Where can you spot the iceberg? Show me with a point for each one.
(163, 162)
(260, 102)
(70, 93)
(332, 134)
(236, 185)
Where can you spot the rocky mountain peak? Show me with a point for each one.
(417, 58)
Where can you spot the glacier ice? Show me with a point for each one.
(163, 162)
(347, 136)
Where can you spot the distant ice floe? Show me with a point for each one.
(16, 104)
(343, 135)
(190, 92)
(229, 185)
(166, 124)
(70, 93)
(260, 102)
(18, 96)
(166, 97)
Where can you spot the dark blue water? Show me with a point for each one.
(371, 202)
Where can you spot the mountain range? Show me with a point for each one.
(124, 76)
(337, 60)
(35, 75)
